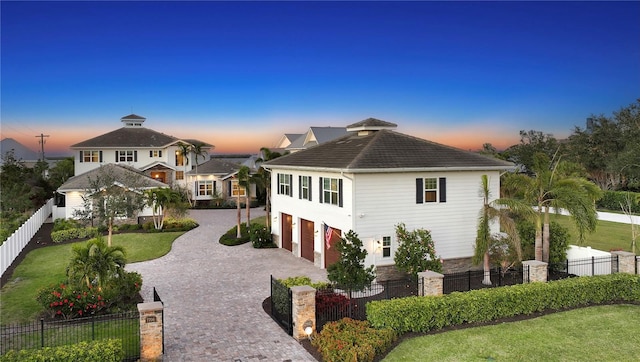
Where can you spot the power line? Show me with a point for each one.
(42, 142)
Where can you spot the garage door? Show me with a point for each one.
(331, 254)
(286, 231)
(306, 239)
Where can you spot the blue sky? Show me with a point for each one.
(240, 74)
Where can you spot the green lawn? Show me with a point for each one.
(45, 266)
(601, 333)
(608, 235)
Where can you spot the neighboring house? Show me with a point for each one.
(314, 136)
(70, 195)
(215, 181)
(286, 140)
(153, 153)
(370, 180)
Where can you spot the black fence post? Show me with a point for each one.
(468, 280)
(41, 332)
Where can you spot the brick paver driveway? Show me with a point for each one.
(213, 295)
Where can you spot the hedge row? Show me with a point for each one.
(423, 314)
(106, 350)
(70, 234)
(611, 200)
(352, 340)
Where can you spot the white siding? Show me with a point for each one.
(374, 203)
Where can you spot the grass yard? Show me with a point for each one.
(601, 333)
(45, 266)
(608, 235)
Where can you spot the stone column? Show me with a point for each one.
(626, 262)
(150, 331)
(534, 271)
(303, 300)
(432, 283)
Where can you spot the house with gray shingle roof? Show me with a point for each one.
(372, 179)
(154, 154)
(315, 136)
(215, 180)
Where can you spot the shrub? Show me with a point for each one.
(352, 340)
(60, 301)
(333, 303)
(106, 350)
(260, 237)
(423, 314)
(611, 200)
(416, 252)
(70, 234)
(65, 224)
(183, 224)
(349, 271)
(280, 297)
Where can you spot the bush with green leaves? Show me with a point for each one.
(280, 296)
(72, 234)
(423, 314)
(352, 340)
(558, 241)
(66, 224)
(416, 251)
(611, 200)
(105, 350)
(260, 236)
(182, 224)
(349, 271)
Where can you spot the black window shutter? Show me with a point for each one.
(150, 153)
(81, 156)
(299, 187)
(309, 184)
(278, 183)
(291, 186)
(100, 155)
(230, 188)
(320, 189)
(135, 156)
(160, 153)
(443, 189)
(340, 192)
(215, 191)
(116, 156)
(419, 191)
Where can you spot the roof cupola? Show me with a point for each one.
(132, 120)
(370, 125)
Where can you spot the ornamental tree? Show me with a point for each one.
(349, 271)
(416, 251)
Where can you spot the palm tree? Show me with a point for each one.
(245, 181)
(264, 177)
(556, 184)
(183, 150)
(198, 150)
(159, 199)
(496, 210)
(95, 263)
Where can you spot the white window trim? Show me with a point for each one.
(330, 192)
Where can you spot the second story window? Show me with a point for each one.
(431, 190)
(284, 184)
(331, 191)
(179, 159)
(304, 186)
(90, 156)
(127, 156)
(155, 153)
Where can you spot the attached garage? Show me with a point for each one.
(331, 254)
(306, 239)
(286, 221)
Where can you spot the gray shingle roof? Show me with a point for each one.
(122, 174)
(385, 150)
(321, 134)
(128, 137)
(215, 166)
(372, 122)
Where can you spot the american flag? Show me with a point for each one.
(328, 233)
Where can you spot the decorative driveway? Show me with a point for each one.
(213, 295)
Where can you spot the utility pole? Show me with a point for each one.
(42, 142)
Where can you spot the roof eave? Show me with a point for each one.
(392, 170)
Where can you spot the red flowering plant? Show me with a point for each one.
(60, 301)
(330, 303)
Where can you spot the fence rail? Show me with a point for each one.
(334, 303)
(38, 334)
(472, 279)
(11, 248)
(596, 265)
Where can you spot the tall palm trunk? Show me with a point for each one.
(248, 206)
(545, 236)
(487, 269)
(239, 215)
(538, 240)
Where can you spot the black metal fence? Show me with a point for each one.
(473, 279)
(156, 298)
(38, 334)
(334, 303)
(281, 306)
(600, 265)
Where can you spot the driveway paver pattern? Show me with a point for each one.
(213, 295)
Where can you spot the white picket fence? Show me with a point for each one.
(12, 247)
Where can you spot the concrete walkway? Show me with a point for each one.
(213, 295)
